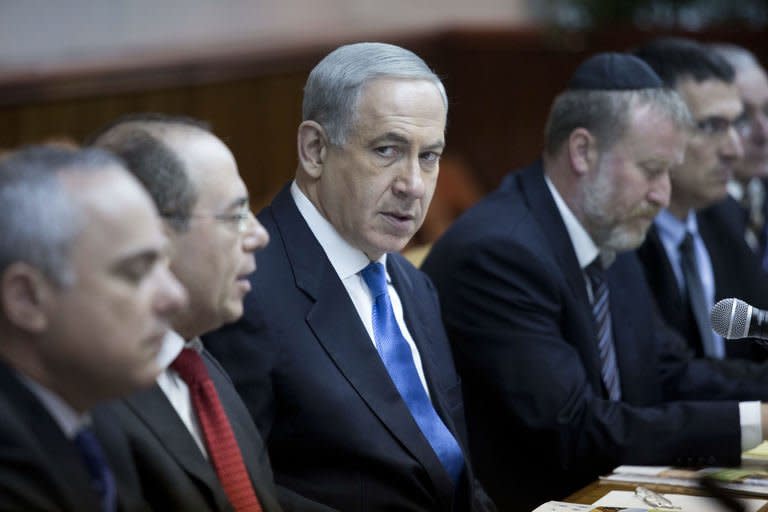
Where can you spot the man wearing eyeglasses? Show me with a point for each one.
(748, 186)
(692, 255)
(195, 445)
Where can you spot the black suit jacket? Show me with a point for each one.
(517, 312)
(42, 470)
(337, 428)
(174, 473)
(736, 269)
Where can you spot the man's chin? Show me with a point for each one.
(626, 240)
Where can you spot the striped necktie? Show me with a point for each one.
(601, 310)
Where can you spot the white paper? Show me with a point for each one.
(688, 503)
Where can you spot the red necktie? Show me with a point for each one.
(219, 438)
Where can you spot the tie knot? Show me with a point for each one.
(686, 246)
(190, 366)
(375, 277)
(86, 441)
(595, 271)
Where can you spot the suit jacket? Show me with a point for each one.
(337, 429)
(519, 318)
(174, 473)
(736, 269)
(42, 470)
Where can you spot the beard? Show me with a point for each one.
(610, 230)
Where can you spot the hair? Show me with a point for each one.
(738, 57)
(606, 114)
(39, 217)
(334, 85)
(138, 140)
(676, 59)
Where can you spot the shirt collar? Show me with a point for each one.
(68, 419)
(345, 259)
(585, 248)
(672, 228)
(736, 190)
(173, 344)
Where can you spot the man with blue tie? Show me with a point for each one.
(693, 256)
(341, 355)
(87, 299)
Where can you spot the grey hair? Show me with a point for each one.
(334, 85)
(39, 217)
(738, 57)
(139, 140)
(606, 114)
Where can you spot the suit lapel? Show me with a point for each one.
(661, 276)
(67, 470)
(246, 438)
(543, 207)
(415, 320)
(633, 364)
(156, 412)
(337, 327)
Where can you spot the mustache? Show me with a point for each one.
(644, 211)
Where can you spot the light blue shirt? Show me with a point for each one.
(672, 231)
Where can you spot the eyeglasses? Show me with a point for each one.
(240, 219)
(718, 126)
(747, 121)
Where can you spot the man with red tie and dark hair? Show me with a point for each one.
(194, 442)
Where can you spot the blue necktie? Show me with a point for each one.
(601, 310)
(697, 299)
(102, 480)
(396, 354)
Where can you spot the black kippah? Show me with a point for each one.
(614, 72)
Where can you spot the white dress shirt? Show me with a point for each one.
(174, 387)
(348, 261)
(587, 251)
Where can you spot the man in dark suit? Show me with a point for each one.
(86, 299)
(567, 369)
(748, 188)
(692, 256)
(341, 356)
(193, 178)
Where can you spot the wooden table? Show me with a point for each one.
(597, 490)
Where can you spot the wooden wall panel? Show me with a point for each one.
(500, 85)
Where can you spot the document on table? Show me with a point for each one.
(627, 499)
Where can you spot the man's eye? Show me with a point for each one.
(430, 156)
(134, 272)
(386, 151)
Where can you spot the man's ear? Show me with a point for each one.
(25, 293)
(582, 151)
(313, 146)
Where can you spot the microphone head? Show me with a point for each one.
(730, 318)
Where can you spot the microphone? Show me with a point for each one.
(734, 319)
